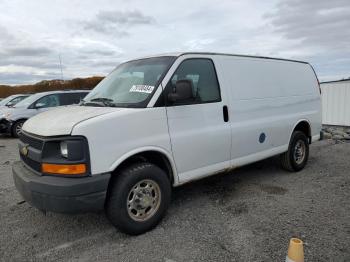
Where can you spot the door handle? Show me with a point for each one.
(225, 113)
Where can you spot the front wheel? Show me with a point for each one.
(297, 155)
(138, 198)
(17, 128)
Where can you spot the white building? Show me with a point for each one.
(336, 102)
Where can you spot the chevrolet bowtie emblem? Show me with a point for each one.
(24, 150)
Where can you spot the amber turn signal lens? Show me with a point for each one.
(78, 169)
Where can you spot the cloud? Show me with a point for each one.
(117, 21)
(198, 44)
(25, 77)
(6, 37)
(93, 42)
(99, 52)
(321, 23)
(315, 31)
(125, 18)
(27, 51)
(38, 62)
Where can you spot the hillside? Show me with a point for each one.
(50, 85)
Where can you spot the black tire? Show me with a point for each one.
(288, 159)
(117, 206)
(17, 126)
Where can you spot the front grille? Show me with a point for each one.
(31, 141)
(31, 163)
(34, 143)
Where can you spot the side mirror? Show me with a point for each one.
(39, 105)
(183, 91)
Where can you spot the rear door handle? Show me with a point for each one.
(225, 113)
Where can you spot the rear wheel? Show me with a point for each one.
(297, 155)
(17, 128)
(138, 198)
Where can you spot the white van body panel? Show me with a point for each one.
(124, 132)
(270, 97)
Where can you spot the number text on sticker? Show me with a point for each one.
(142, 89)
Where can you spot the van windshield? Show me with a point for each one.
(131, 84)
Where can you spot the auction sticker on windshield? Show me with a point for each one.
(141, 89)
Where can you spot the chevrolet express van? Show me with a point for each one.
(158, 122)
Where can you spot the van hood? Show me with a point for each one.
(61, 121)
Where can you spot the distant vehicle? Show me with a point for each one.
(12, 100)
(12, 119)
(162, 121)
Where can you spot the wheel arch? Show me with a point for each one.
(157, 156)
(16, 121)
(20, 119)
(304, 126)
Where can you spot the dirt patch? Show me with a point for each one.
(273, 190)
(220, 190)
(238, 209)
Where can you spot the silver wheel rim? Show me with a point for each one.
(19, 128)
(143, 200)
(299, 152)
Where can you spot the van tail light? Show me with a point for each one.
(58, 169)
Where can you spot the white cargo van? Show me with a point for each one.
(159, 122)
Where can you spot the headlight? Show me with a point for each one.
(66, 156)
(64, 149)
(70, 149)
(7, 115)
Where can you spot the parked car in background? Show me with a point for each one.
(12, 119)
(163, 121)
(12, 100)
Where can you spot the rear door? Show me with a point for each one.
(200, 134)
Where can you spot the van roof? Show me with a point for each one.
(177, 54)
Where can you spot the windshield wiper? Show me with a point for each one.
(100, 101)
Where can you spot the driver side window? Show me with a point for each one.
(202, 74)
(48, 101)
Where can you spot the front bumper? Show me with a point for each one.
(5, 126)
(61, 194)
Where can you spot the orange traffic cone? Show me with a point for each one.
(295, 251)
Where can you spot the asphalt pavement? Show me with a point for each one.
(248, 214)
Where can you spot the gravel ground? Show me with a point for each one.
(247, 215)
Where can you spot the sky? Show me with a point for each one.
(92, 37)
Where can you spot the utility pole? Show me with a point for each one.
(59, 57)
